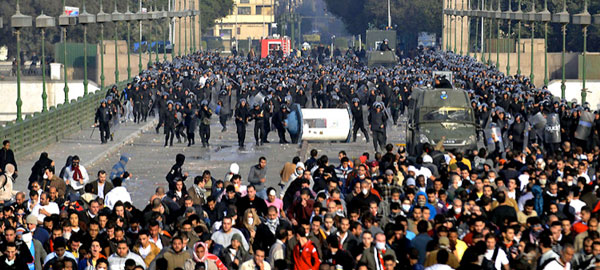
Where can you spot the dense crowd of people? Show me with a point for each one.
(527, 200)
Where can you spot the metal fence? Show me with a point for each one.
(43, 128)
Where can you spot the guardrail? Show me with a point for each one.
(43, 128)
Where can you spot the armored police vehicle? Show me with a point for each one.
(440, 113)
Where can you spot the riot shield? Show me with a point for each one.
(552, 129)
(585, 126)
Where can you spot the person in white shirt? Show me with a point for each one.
(500, 260)
(45, 208)
(118, 193)
(117, 260)
(563, 262)
(224, 235)
(76, 175)
(258, 262)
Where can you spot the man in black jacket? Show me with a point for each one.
(7, 156)
(241, 119)
(357, 118)
(377, 123)
(258, 116)
(103, 117)
(169, 123)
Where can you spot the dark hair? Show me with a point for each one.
(117, 181)
(422, 226)
(197, 179)
(101, 172)
(5, 142)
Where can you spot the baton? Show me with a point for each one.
(93, 128)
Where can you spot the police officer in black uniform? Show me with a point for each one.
(242, 115)
(102, 119)
(170, 119)
(377, 123)
(258, 116)
(357, 118)
(204, 114)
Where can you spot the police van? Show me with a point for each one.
(436, 114)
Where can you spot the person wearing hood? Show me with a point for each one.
(120, 167)
(37, 171)
(422, 200)
(6, 183)
(176, 172)
(298, 171)
(234, 255)
(201, 256)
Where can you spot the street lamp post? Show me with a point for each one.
(483, 15)
(17, 22)
(531, 18)
(563, 18)
(128, 18)
(491, 24)
(497, 16)
(180, 15)
(117, 17)
(584, 19)
(64, 20)
(42, 22)
(165, 15)
(507, 17)
(156, 15)
(545, 17)
(138, 17)
(462, 17)
(455, 25)
(101, 19)
(520, 16)
(85, 18)
(172, 14)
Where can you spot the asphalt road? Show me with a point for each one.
(151, 162)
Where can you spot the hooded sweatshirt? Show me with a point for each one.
(432, 210)
(120, 167)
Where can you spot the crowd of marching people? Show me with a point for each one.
(527, 200)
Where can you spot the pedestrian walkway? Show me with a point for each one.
(84, 144)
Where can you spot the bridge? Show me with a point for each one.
(64, 128)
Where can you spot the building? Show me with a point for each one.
(249, 19)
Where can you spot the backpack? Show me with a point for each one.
(490, 264)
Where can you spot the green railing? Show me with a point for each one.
(43, 128)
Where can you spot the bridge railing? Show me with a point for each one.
(43, 128)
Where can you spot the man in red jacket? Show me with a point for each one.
(305, 253)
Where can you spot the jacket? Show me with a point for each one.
(368, 256)
(255, 175)
(108, 186)
(176, 259)
(154, 251)
(241, 255)
(250, 265)
(190, 264)
(103, 115)
(306, 257)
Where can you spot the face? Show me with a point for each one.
(10, 236)
(200, 251)
(177, 245)
(227, 225)
(122, 249)
(367, 239)
(263, 163)
(251, 192)
(102, 177)
(95, 248)
(490, 243)
(259, 256)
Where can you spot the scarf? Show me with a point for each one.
(272, 224)
(199, 191)
(77, 174)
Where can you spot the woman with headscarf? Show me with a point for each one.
(63, 171)
(201, 256)
(37, 171)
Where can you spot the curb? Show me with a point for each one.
(117, 146)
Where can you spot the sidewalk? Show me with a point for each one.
(89, 150)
